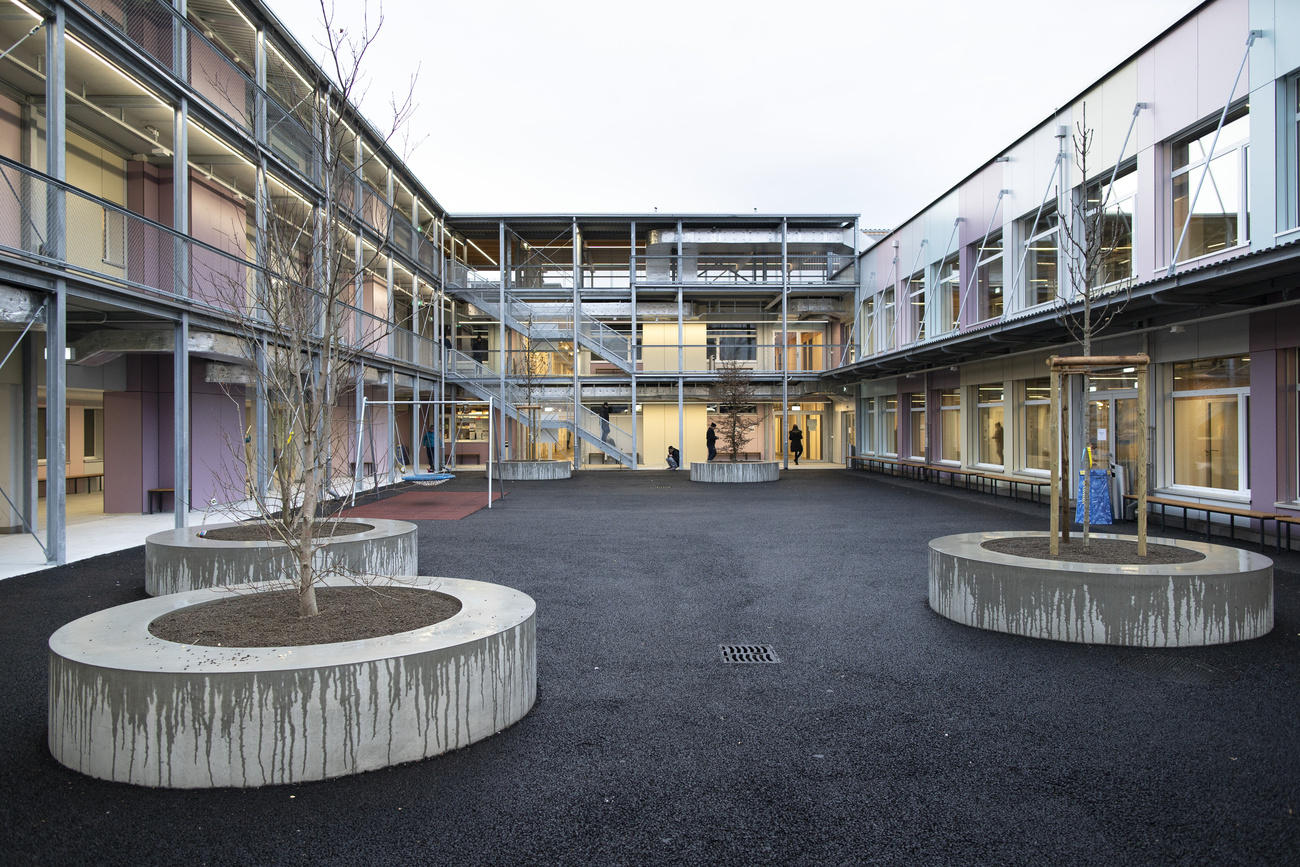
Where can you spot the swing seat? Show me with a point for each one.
(428, 478)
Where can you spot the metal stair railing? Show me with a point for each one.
(593, 334)
(617, 443)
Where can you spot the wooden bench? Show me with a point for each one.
(1014, 483)
(871, 462)
(1231, 512)
(1288, 521)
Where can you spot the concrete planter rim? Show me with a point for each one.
(119, 637)
(382, 528)
(1218, 559)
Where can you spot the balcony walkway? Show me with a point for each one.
(884, 734)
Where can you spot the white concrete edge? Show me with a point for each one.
(1217, 558)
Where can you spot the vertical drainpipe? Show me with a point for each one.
(416, 358)
(631, 282)
(358, 315)
(577, 314)
(785, 341)
(181, 222)
(503, 266)
(681, 352)
(389, 317)
(857, 320)
(56, 306)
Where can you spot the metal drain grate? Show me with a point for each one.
(748, 653)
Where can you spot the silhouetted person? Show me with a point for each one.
(603, 412)
(711, 440)
(796, 442)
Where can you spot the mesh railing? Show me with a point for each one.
(732, 270)
(110, 243)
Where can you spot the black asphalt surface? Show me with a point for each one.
(886, 734)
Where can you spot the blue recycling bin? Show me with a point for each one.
(1100, 512)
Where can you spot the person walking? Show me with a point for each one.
(711, 440)
(604, 421)
(430, 441)
(796, 442)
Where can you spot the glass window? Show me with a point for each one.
(988, 277)
(988, 418)
(93, 433)
(916, 427)
(1038, 424)
(1211, 433)
(949, 283)
(950, 425)
(869, 326)
(889, 423)
(887, 319)
(916, 304)
(869, 425)
(1218, 218)
(730, 342)
(1110, 209)
(1041, 244)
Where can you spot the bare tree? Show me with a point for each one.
(305, 326)
(528, 366)
(734, 394)
(1094, 241)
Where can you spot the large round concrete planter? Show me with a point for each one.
(739, 472)
(524, 471)
(130, 707)
(1228, 596)
(179, 560)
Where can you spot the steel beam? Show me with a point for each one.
(785, 346)
(631, 280)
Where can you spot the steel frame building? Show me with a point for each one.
(122, 367)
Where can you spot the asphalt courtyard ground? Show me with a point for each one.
(886, 734)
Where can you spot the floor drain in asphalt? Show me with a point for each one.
(748, 653)
(1176, 669)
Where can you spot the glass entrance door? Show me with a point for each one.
(1112, 432)
(810, 424)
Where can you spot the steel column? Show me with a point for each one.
(29, 500)
(261, 415)
(181, 422)
(785, 342)
(631, 281)
(681, 350)
(504, 266)
(56, 426)
(577, 312)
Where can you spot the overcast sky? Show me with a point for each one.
(798, 106)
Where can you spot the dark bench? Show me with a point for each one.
(158, 494)
(74, 480)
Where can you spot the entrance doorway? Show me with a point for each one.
(1112, 431)
(811, 425)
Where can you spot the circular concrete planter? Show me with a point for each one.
(532, 470)
(127, 706)
(179, 560)
(1226, 597)
(739, 472)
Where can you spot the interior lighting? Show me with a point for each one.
(794, 407)
(1129, 370)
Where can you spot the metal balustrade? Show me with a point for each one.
(111, 244)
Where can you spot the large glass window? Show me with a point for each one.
(1041, 245)
(1038, 424)
(92, 434)
(889, 424)
(988, 419)
(1115, 201)
(950, 425)
(916, 426)
(1210, 431)
(988, 277)
(1219, 215)
(869, 326)
(731, 342)
(916, 304)
(949, 295)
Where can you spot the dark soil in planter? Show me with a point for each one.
(270, 619)
(1112, 551)
(256, 531)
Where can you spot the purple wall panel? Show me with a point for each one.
(123, 454)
